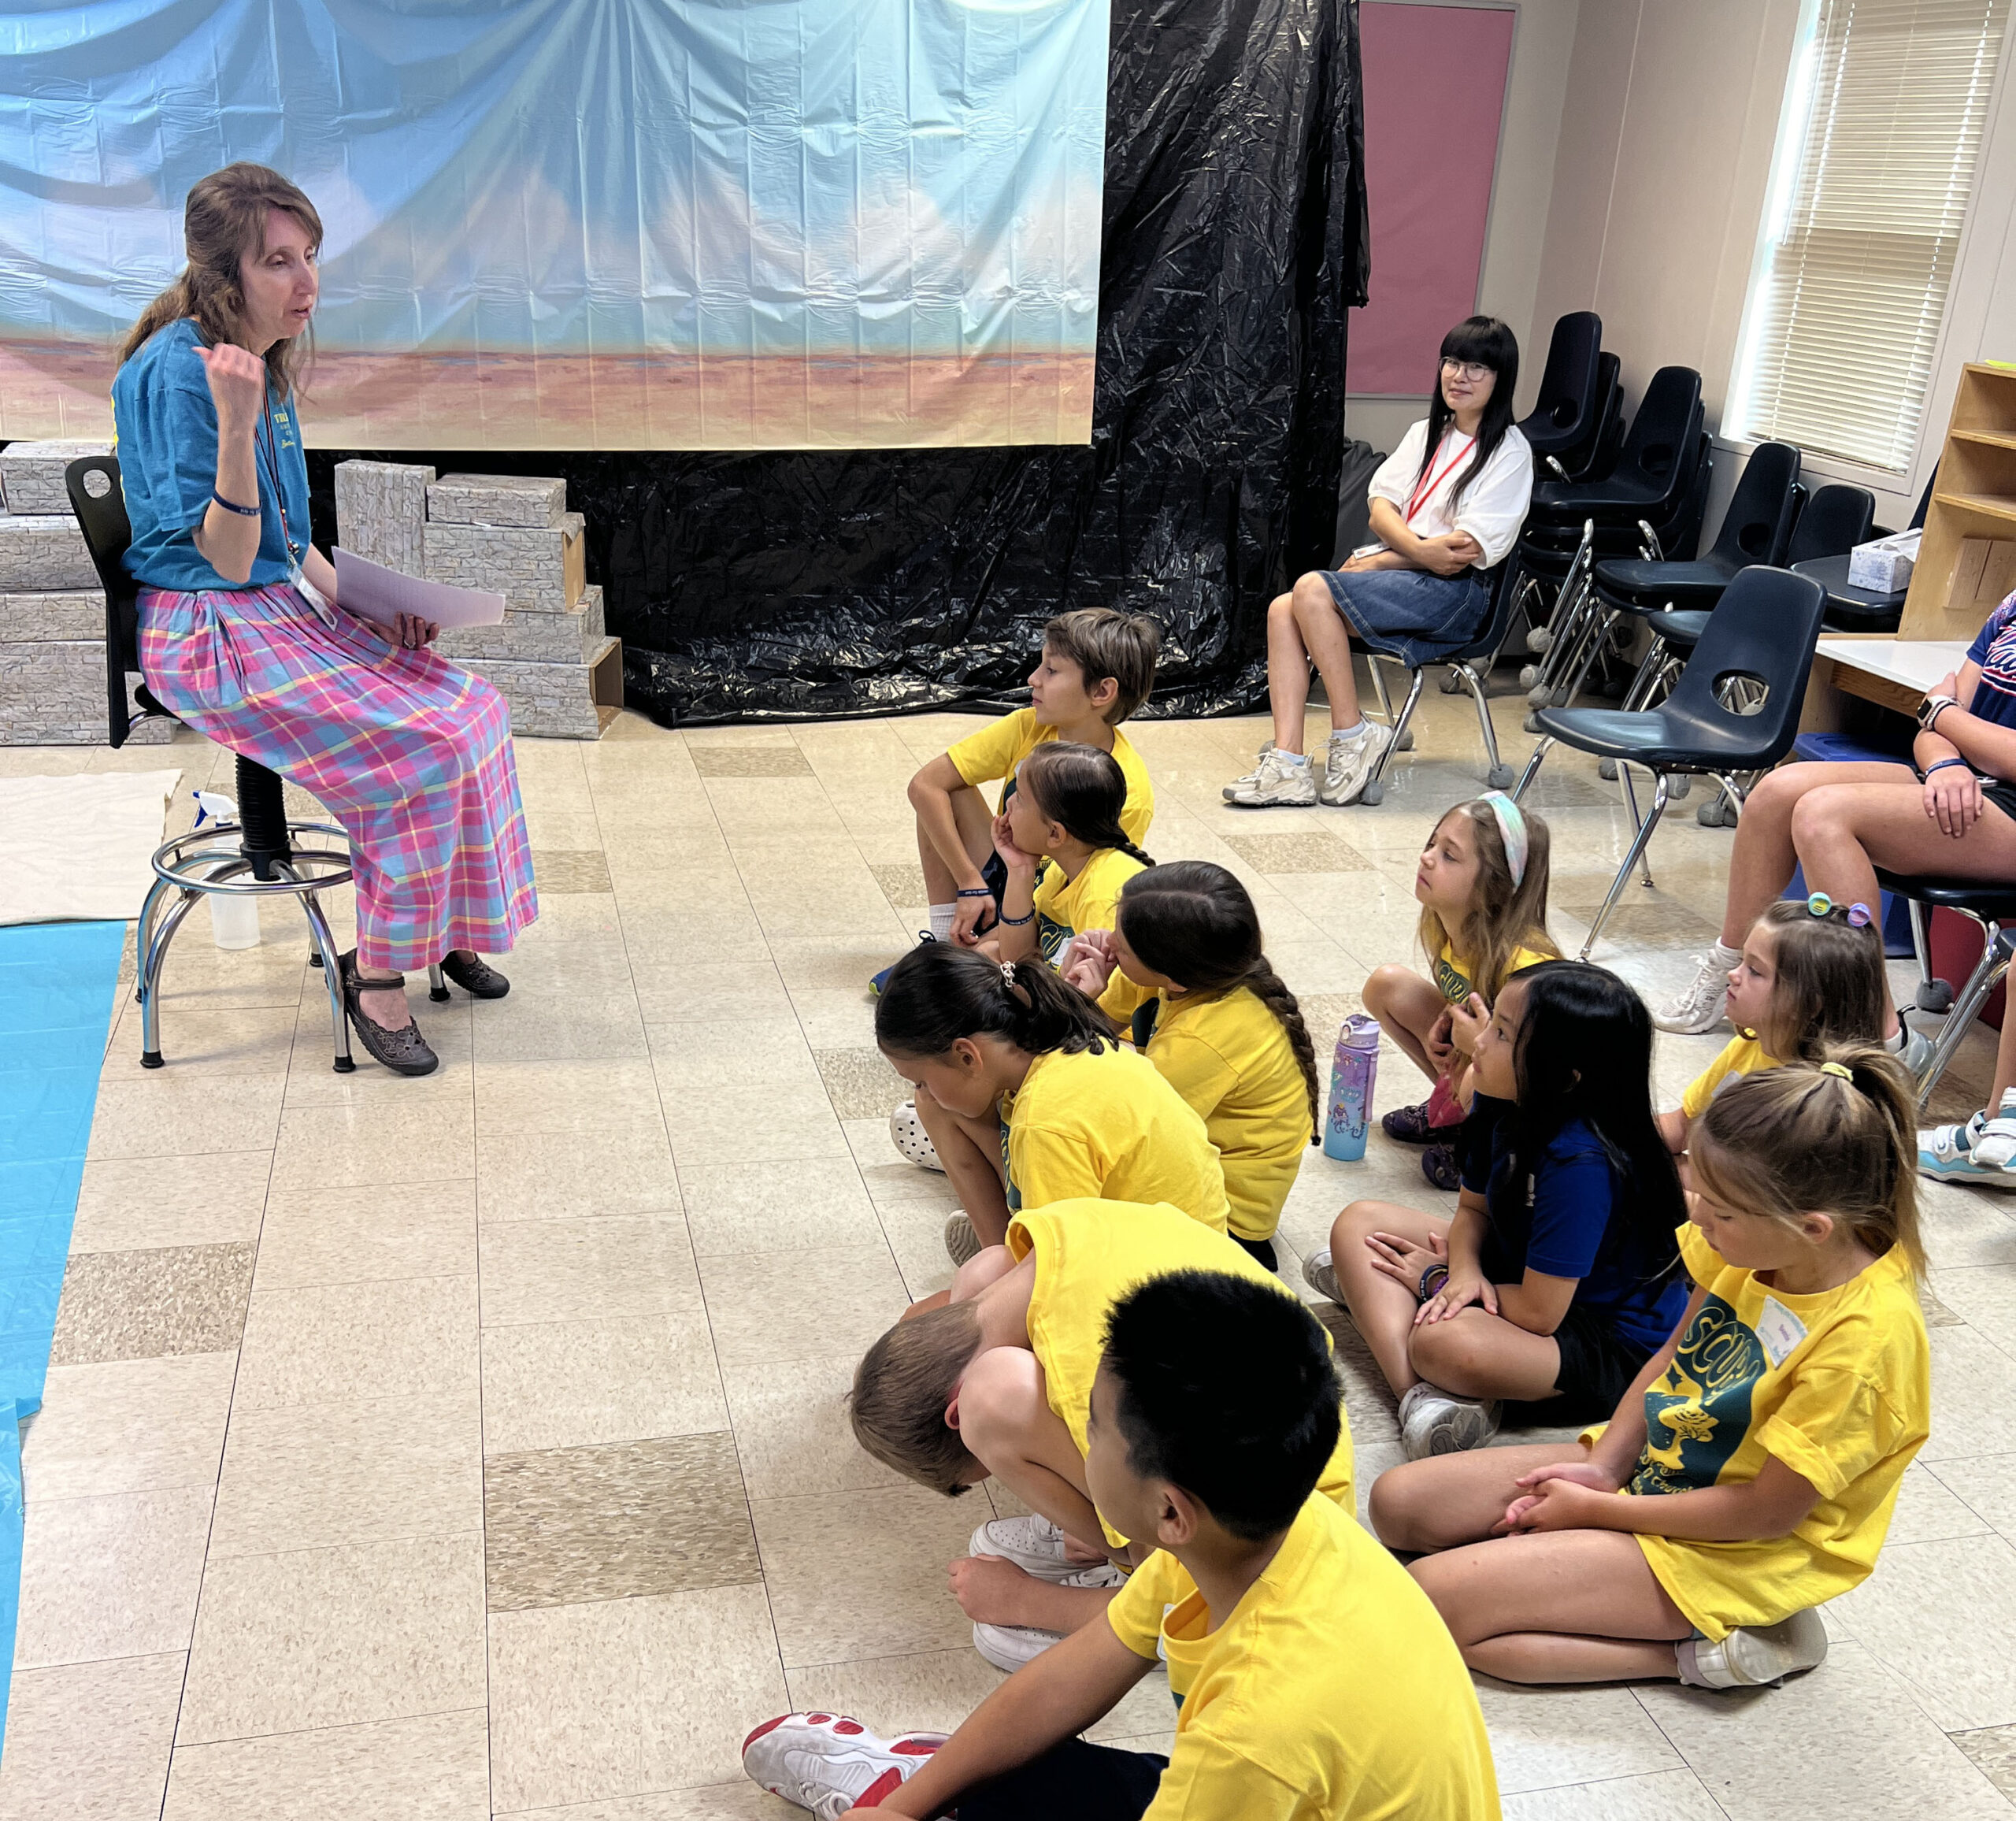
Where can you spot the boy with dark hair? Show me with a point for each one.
(995, 1379)
(1097, 667)
(1314, 1680)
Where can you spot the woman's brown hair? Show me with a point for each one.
(1832, 1135)
(1503, 918)
(224, 220)
(1827, 982)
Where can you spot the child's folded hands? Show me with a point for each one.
(1562, 1496)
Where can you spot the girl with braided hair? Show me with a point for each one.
(1223, 1029)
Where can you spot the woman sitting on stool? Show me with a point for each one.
(241, 636)
(1446, 506)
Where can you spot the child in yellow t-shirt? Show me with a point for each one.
(1759, 1454)
(1097, 667)
(1028, 1098)
(995, 1377)
(1810, 975)
(1482, 885)
(1223, 1029)
(1315, 1681)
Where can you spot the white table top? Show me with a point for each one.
(1917, 663)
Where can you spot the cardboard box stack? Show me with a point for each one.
(561, 674)
(52, 610)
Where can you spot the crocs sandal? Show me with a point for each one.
(476, 977)
(405, 1051)
(1437, 1164)
(1408, 1124)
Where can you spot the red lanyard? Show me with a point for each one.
(1434, 478)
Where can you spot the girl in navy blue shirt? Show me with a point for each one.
(1559, 1276)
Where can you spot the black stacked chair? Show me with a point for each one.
(1653, 470)
(1566, 421)
(1993, 907)
(270, 856)
(1735, 709)
(1850, 608)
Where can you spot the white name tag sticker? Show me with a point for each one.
(1779, 1330)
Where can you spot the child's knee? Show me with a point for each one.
(1383, 982)
(1351, 1226)
(1452, 1354)
(1393, 1509)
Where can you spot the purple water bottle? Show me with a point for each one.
(1353, 1071)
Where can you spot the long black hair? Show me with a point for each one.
(1081, 788)
(1486, 341)
(939, 992)
(1584, 1052)
(1195, 922)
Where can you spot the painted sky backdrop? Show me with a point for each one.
(587, 223)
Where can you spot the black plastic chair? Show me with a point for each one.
(1736, 708)
(1653, 470)
(1565, 419)
(1462, 665)
(269, 848)
(1993, 907)
(1756, 528)
(1850, 608)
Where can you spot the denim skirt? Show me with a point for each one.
(1410, 614)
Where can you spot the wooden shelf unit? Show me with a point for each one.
(1975, 497)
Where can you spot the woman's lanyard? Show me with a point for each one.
(270, 454)
(1435, 476)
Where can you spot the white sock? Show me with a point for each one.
(1726, 957)
(941, 920)
(1895, 1042)
(1291, 758)
(1351, 733)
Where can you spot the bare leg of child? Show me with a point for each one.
(970, 1150)
(1407, 1007)
(1455, 1498)
(1380, 1305)
(1557, 1606)
(976, 824)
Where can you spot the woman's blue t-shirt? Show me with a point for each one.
(165, 422)
(1572, 1225)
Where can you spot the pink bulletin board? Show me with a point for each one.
(1434, 91)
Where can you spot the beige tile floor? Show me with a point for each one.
(474, 1445)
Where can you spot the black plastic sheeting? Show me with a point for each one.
(788, 586)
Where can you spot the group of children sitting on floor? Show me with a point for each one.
(1120, 1089)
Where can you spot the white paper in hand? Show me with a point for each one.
(380, 595)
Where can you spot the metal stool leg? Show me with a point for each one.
(143, 933)
(1631, 859)
(437, 988)
(1992, 966)
(150, 994)
(325, 953)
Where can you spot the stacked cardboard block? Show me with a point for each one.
(551, 660)
(52, 609)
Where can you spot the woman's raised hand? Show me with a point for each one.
(237, 386)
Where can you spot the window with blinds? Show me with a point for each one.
(1875, 164)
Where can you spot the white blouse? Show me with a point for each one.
(1494, 505)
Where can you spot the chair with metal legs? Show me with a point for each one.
(1735, 709)
(1991, 907)
(282, 858)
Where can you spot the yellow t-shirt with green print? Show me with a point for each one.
(997, 750)
(1454, 978)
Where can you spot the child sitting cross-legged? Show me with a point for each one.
(1760, 1449)
(1028, 1098)
(1315, 1683)
(1482, 883)
(1559, 1276)
(1223, 1028)
(993, 1377)
(1810, 975)
(1097, 667)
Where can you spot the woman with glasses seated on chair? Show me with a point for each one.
(1950, 814)
(1446, 507)
(241, 638)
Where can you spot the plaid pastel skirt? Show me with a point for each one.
(411, 753)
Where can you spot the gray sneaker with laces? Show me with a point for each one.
(1281, 781)
(1349, 763)
(1320, 1275)
(1252, 778)
(1699, 1006)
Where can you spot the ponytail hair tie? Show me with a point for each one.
(1836, 1068)
(1008, 975)
(1511, 821)
(1858, 916)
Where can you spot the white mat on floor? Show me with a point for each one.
(79, 847)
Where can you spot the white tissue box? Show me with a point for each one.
(1883, 567)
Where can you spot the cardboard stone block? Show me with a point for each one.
(52, 693)
(26, 618)
(568, 638)
(43, 553)
(32, 473)
(561, 701)
(381, 513)
(524, 500)
(537, 571)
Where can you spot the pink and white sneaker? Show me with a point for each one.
(827, 1763)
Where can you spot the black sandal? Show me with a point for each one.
(1437, 1164)
(405, 1051)
(476, 977)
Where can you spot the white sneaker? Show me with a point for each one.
(1349, 763)
(961, 1242)
(912, 1142)
(828, 1764)
(1033, 1543)
(1755, 1656)
(1320, 1275)
(1981, 1154)
(1282, 780)
(1700, 1007)
(1432, 1422)
(1009, 1646)
(1252, 778)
